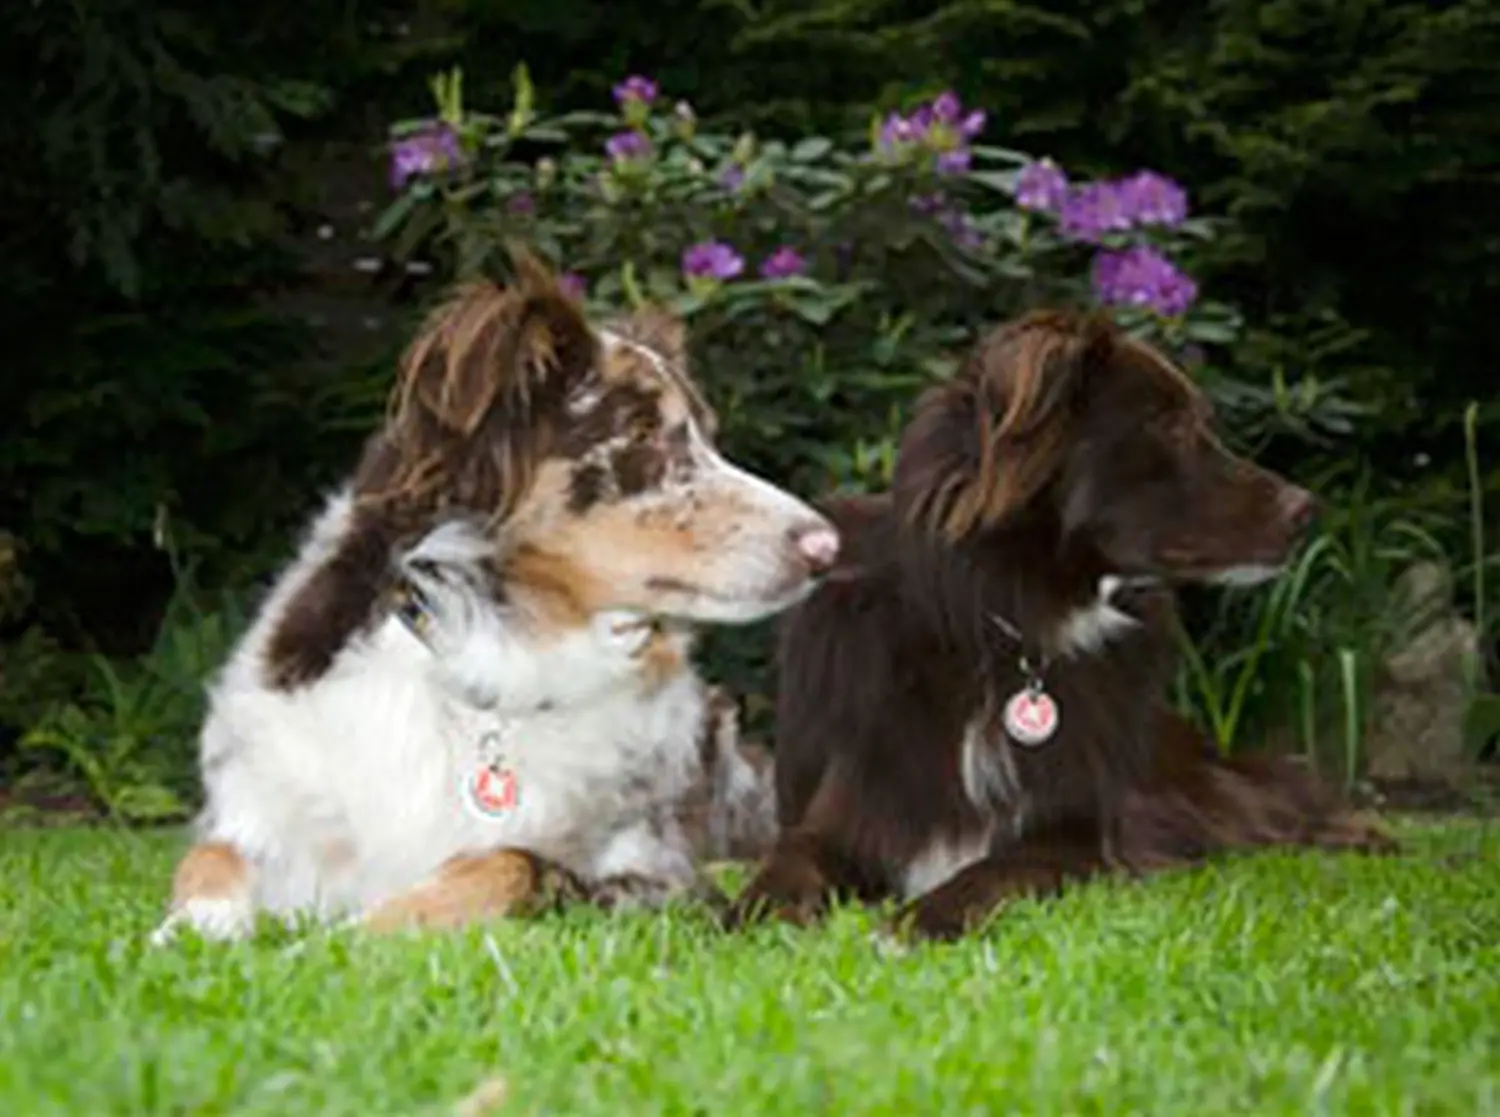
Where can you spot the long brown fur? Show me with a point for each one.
(1063, 452)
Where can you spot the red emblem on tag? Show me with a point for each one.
(490, 791)
(1030, 717)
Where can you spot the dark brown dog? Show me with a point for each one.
(973, 707)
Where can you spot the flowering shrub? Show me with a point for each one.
(825, 280)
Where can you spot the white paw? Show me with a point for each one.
(219, 920)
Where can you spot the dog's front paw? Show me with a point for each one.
(758, 904)
(930, 922)
(941, 916)
(220, 920)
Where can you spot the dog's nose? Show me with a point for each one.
(1298, 507)
(817, 544)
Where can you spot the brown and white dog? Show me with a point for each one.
(470, 692)
(972, 707)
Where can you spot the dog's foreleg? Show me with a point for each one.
(1037, 866)
(477, 886)
(212, 894)
(796, 883)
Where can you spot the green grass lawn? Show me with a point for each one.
(1279, 984)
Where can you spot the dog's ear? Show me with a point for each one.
(478, 399)
(983, 446)
(489, 346)
(665, 333)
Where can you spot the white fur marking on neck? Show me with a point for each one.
(1251, 574)
(1089, 628)
(987, 768)
(452, 543)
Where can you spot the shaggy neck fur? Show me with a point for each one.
(1095, 639)
(346, 792)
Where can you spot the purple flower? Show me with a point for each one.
(1093, 210)
(1042, 186)
(954, 162)
(896, 131)
(947, 107)
(1176, 294)
(521, 203)
(732, 177)
(941, 125)
(946, 124)
(635, 89)
(782, 264)
(573, 285)
(435, 148)
(1152, 199)
(626, 146)
(941, 130)
(1098, 208)
(711, 259)
(1142, 277)
(948, 110)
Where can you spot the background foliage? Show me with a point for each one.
(174, 361)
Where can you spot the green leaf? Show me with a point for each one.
(688, 303)
(1211, 332)
(631, 286)
(818, 313)
(1001, 154)
(811, 149)
(395, 215)
(146, 802)
(1003, 182)
(585, 118)
(525, 104)
(300, 98)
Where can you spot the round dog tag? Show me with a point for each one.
(490, 791)
(1030, 717)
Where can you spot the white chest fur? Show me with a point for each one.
(355, 793)
(987, 768)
